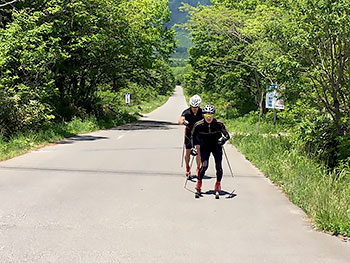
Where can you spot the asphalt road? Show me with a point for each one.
(118, 196)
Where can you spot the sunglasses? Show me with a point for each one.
(208, 115)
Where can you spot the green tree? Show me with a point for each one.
(234, 55)
(325, 51)
(303, 45)
(58, 54)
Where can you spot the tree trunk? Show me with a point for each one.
(260, 90)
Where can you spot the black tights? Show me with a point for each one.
(205, 154)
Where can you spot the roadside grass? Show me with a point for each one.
(249, 125)
(323, 195)
(21, 143)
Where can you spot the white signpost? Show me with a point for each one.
(127, 98)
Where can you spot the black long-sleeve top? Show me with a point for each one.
(209, 134)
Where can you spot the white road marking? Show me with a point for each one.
(121, 136)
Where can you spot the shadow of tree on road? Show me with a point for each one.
(81, 138)
(147, 125)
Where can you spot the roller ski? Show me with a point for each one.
(217, 190)
(198, 189)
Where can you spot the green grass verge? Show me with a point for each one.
(23, 142)
(324, 196)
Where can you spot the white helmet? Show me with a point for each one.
(209, 109)
(195, 101)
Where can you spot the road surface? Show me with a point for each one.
(118, 196)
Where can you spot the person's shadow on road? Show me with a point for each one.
(224, 193)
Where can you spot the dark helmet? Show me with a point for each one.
(209, 109)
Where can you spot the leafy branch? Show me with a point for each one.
(9, 3)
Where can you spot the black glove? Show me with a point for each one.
(222, 140)
(194, 151)
(186, 122)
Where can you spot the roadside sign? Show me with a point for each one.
(273, 97)
(127, 98)
(270, 96)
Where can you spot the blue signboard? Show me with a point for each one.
(273, 97)
(127, 97)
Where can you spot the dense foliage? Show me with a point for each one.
(241, 47)
(63, 58)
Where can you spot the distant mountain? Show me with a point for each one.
(179, 17)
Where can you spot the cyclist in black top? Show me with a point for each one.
(211, 135)
(188, 118)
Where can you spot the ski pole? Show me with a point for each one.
(192, 162)
(190, 169)
(231, 195)
(183, 154)
(186, 183)
(187, 188)
(183, 150)
(227, 161)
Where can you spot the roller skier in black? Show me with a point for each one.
(211, 135)
(188, 118)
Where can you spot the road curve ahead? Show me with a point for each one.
(118, 196)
